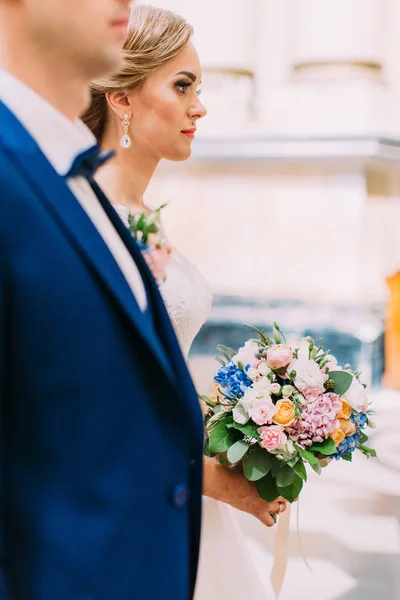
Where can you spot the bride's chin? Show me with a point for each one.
(181, 156)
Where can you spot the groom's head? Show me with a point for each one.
(78, 34)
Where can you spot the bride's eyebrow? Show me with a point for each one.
(191, 76)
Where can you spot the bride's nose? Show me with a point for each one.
(198, 111)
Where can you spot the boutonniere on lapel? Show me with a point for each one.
(147, 231)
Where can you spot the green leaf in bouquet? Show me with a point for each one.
(368, 452)
(237, 451)
(348, 457)
(327, 447)
(291, 492)
(226, 352)
(221, 438)
(267, 341)
(278, 334)
(218, 417)
(342, 381)
(206, 449)
(285, 476)
(248, 430)
(300, 470)
(206, 400)
(362, 438)
(224, 461)
(311, 459)
(256, 463)
(221, 361)
(266, 488)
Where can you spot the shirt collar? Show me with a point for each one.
(59, 139)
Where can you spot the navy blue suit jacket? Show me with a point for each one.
(101, 437)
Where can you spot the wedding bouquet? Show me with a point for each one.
(276, 407)
(146, 229)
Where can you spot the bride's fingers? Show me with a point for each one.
(278, 506)
(267, 518)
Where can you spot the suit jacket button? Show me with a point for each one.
(180, 495)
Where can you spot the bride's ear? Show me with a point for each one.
(119, 103)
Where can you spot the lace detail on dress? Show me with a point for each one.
(186, 294)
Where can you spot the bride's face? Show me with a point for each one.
(166, 108)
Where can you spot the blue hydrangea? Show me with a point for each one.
(232, 379)
(360, 419)
(348, 445)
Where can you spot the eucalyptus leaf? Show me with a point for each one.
(327, 447)
(285, 476)
(248, 430)
(256, 463)
(221, 438)
(342, 381)
(237, 451)
(266, 488)
(291, 492)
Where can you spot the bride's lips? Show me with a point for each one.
(189, 132)
(120, 25)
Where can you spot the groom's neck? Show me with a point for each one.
(54, 78)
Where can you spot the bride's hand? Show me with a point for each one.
(232, 487)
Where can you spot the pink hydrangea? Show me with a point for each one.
(319, 419)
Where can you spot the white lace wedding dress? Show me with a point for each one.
(226, 569)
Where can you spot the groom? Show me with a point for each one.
(101, 442)
(101, 445)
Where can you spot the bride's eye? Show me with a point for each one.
(198, 92)
(183, 86)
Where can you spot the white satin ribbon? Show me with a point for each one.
(281, 554)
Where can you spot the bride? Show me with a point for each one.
(149, 111)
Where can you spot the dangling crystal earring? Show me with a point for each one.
(126, 141)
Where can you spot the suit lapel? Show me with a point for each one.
(76, 225)
(160, 315)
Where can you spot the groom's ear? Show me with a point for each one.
(119, 103)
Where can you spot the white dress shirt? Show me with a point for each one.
(61, 141)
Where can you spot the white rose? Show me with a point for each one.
(247, 354)
(287, 391)
(264, 369)
(252, 373)
(240, 414)
(308, 374)
(275, 389)
(332, 365)
(356, 396)
(261, 387)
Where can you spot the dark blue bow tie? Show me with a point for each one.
(87, 163)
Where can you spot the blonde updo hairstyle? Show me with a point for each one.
(154, 37)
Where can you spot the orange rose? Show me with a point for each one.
(338, 436)
(347, 426)
(346, 411)
(285, 414)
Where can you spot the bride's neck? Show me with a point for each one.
(126, 178)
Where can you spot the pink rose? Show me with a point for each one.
(263, 410)
(158, 260)
(279, 357)
(272, 437)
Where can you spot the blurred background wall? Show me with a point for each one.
(296, 166)
(290, 206)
